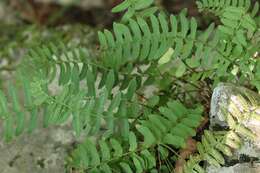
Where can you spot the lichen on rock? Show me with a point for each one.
(244, 105)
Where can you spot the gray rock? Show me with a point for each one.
(227, 96)
(244, 102)
(238, 168)
(45, 150)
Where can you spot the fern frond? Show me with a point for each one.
(171, 127)
(15, 117)
(135, 8)
(236, 22)
(138, 41)
(88, 106)
(217, 6)
(51, 58)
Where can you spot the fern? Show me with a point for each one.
(86, 108)
(172, 127)
(135, 8)
(150, 42)
(85, 104)
(216, 144)
(103, 92)
(218, 6)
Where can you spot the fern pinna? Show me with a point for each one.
(104, 92)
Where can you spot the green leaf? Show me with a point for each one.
(187, 49)
(93, 153)
(131, 89)
(168, 113)
(226, 30)
(144, 27)
(105, 151)
(156, 121)
(255, 9)
(99, 109)
(132, 142)
(105, 168)
(84, 71)
(20, 118)
(3, 105)
(178, 48)
(91, 83)
(115, 102)
(177, 108)
(76, 122)
(102, 39)
(148, 12)
(128, 15)
(65, 78)
(135, 28)
(138, 165)
(229, 23)
(126, 168)
(166, 57)
(153, 101)
(184, 25)
(8, 128)
(110, 38)
(110, 81)
(81, 156)
(141, 4)
(193, 62)
(75, 77)
(207, 33)
(163, 23)
(164, 153)
(240, 36)
(121, 7)
(149, 157)
(174, 140)
(181, 69)
(149, 138)
(174, 25)
(37, 91)
(193, 26)
(248, 23)
(118, 150)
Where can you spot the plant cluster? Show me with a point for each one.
(145, 91)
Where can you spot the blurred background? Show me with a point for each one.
(57, 12)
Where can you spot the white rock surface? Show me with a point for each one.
(226, 93)
(238, 168)
(44, 151)
(221, 98)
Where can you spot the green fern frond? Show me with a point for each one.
(150, 42)
(236, 22)
(54, 57)
(88, 107)
(171, 127)
(15, 117)
(217, 6)
(135, 8)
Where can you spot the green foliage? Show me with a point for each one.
(104, 93)
(172, 126)
(135, 7)
(215, 144)
(217, 6)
